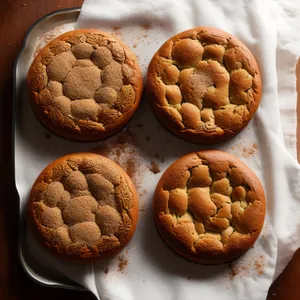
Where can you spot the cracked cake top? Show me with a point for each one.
(85, 85)
(84, 207)
(209, 207)
(204, 85)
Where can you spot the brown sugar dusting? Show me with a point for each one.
(123, 262)
(154, 168)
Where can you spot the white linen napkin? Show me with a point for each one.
(271, 30)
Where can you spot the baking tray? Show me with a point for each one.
(61, 20)
(35, 147)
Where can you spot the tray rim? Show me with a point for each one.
(14, 113)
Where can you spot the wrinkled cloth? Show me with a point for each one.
(270, 29)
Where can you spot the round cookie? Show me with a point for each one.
(85, 85)
(204, 85)
(83, 207)
(209, 207)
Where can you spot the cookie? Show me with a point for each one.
(204, 85)
(85, 85)
(83, 207)
(209, 207)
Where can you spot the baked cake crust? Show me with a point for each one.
(85, 85)
(204, 85)
(209, 207)
(83, 207)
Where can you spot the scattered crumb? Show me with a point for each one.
(58, 6)
(154, 168)
(139, 125)
(47, 135)
(106, 270)
(145, 35)
(148, 138)
(142, 209)
(134, 45)
(245, 151)
(233, 272)
(259, 265)
(116, 28)
(248, 152)
(24, 4)
(162, 160)
(189, 278)
(142, 193)
(239, 269)
(123, 262)
(146, 26)
(124, 152)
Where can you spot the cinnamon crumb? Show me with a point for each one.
(123, 262)
(130, 166)
(142, 193)
(142, 209)
(154, 168)
(259, 265)
(248, 152)
(134, 45)
(146, 26)
(106, 270)
(233, 271)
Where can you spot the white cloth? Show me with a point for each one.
(271, 30)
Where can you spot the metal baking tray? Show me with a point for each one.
(35, 147)
(52, 24)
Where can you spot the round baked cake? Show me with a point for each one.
(85, 85)
(209, 207)
(83, 207)
(204, 85)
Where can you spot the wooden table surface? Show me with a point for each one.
(15, 18)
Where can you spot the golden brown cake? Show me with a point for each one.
(209, 207)
(83, 207)
(204, 85)
(85, 85)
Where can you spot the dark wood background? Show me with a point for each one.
(15, 18)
